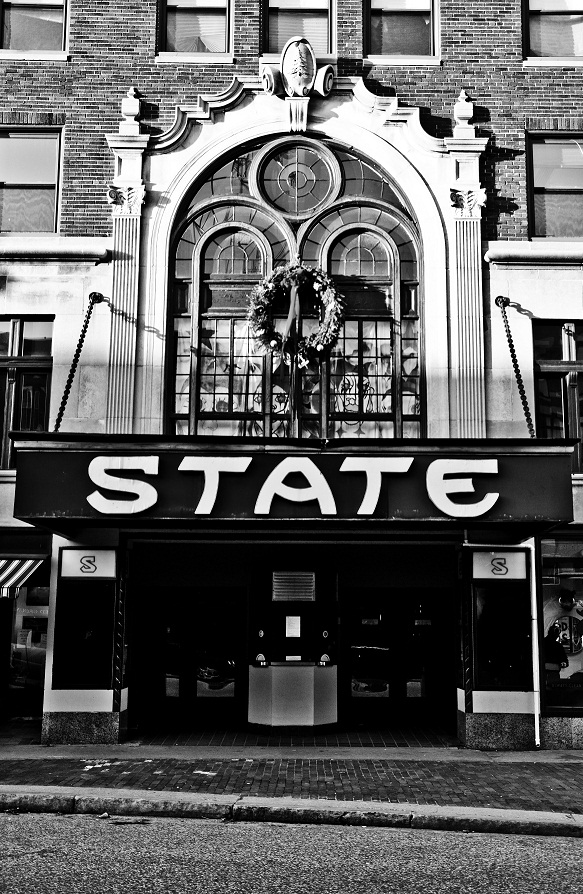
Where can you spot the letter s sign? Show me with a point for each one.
(88, 565)
(144, 494)
(499, 566)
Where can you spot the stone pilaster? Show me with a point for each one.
(126, 196)
(467, 314)
(468, 354)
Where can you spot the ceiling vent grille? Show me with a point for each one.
(294, 586)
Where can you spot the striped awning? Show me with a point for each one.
(14, 573)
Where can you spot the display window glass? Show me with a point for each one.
(29, 606)
(502, 637)
(562, 623)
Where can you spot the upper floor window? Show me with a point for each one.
(28, 25)
(197, 26)
(400, 28)
(25, 373)
(299, 18)
(557, 169)
(28, 181)
(558, 367)
(556, 28)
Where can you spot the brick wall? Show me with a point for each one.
(112, 45)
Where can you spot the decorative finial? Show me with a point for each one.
(463, 112)
(131, 108)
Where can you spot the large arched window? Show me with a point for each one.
(236, 228)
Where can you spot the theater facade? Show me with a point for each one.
(288, 474)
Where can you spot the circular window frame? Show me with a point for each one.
(263, 158)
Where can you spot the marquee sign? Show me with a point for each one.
(179, 483)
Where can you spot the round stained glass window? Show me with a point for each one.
(298, 179)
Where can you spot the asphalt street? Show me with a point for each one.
(42, 854)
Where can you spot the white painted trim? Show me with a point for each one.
(81, 700)
(123, 705)
(530, 544)
(503, 702)
(461, 701)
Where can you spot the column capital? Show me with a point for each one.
(467, 202)
(126, 200)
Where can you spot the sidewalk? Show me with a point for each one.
(438, 788)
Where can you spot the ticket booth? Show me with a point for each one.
(293, 670)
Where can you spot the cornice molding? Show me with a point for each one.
(209, 106)
(205, 110)
(532, 254)
(31, 248)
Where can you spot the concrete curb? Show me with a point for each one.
(236, 808)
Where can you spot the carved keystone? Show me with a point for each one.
(297, 76)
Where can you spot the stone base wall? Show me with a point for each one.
(82, 728)
(562, 732)
(497, 732)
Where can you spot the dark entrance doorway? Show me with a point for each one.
(203, 617)
(398, 655)
(187, 632)
(400, 638)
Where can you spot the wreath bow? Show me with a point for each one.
(294, 312)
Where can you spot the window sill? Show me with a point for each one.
(274, 58)
(36, 55)
(404, 60)
(194, 58)
(553, 62)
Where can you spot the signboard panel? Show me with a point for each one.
(87, 563)
(182, 484)
(499, 565)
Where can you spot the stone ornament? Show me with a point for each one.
(131, 109)
(296, 78)
(463, 112)
(468, 202)
(298, 67)
(126, 200)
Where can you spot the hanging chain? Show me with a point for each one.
(94, 298)
(503, 303)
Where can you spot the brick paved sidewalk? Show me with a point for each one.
(520, 786)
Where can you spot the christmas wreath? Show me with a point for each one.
(294, 281)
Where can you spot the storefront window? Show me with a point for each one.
(562, 623)
(28, 648)
(502, 637)
(84, 632)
